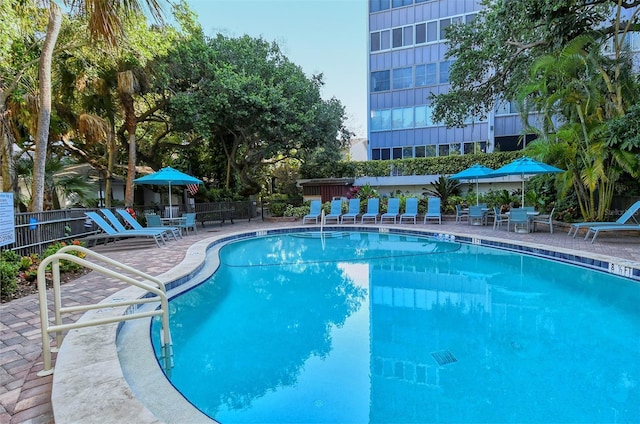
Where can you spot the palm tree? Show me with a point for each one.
(576, 86)
(106, 23)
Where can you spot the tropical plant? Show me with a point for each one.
(443, 188)
(578, 96)
(105, 21)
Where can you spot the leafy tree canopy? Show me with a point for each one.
(493, 54)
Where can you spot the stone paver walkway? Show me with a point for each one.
(25, 397)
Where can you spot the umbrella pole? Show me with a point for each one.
(523, 190)
(477, 195)
(170, 208)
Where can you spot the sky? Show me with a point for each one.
(320, 36)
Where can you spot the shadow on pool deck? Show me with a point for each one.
(25, 397)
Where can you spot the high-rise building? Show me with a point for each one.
(407, 63)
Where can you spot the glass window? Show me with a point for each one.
(420, 151)
(400, 3)
(407, 35)
(375, 154)
(397, 153)
(381, 120)
(426, 74)
(471, 17)
(444, 24)
(402, 78)
(443, 150)
(430, 151)
(385, 154)
(475, 147)
(402, 118)
(375, 41)
(432, 31)
(380, 81)
(423, 116)
(507, 108)
(407, 152)
(444, 71)
(397, 37)
(421, 33)
(385, 40)
(378, 5)
(634, 40)
(457, 20)
(455, 149)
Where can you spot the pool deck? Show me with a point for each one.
(26, 398)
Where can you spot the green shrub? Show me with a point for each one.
(297, 211)
(8, 274)
(277, 208)
(65, 266)
(9, 256)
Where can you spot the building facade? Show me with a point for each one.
(407, 64)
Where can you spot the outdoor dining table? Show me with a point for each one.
(485, 213)
(530, 215)
(177, 221)
(173, 221)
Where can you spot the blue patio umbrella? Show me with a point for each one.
(168, 176)
(474, 172)
(525, 166)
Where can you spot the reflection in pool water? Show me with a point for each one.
(372, 327)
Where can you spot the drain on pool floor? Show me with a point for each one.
(444, 357)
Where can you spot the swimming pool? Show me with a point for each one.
(392, 328)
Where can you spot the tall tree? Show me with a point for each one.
(494, 53)
(549, 56)
(257, 106)
(105, 22)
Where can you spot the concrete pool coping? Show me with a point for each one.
(89, 381)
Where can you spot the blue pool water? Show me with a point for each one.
(384, 328)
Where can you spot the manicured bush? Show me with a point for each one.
(65, 266)
(8, 274)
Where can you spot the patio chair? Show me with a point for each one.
(460, 213)
(373, 209)
(353, 212)
(314, 212)
(519, 218)
(433, 210)
(110, 232)
(411, 209)
(174, 231)
(335, 212)
(622, 220)
(605, 228)
(393, 210)
(498, 217)
(187, 222)
(476, 215)
(118, 226)
(544, 219)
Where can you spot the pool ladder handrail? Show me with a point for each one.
(157, 288)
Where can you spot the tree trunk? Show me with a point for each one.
(6, 147)
(44, 115)
(111, 151)
(130, 125)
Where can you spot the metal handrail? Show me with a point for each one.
(153, 285)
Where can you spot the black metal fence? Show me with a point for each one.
(35, 231)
